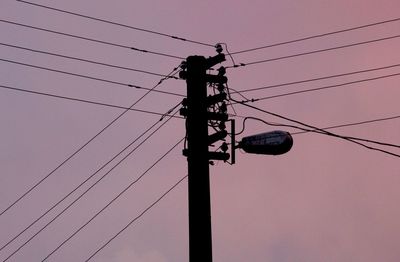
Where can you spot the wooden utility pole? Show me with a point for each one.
(198, 156)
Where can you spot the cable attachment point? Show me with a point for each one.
(183, 65)
(221, 71)
(218, 48)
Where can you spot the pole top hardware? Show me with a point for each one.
(218, 48)
(212, 61)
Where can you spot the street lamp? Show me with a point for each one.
(269, 143)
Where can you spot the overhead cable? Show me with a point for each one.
(356, 123)
(321, 88)
(113, 200)
(331, 127)
(117, 24)
(86, 60)
(305, 130)
(92, 78)
(92, 39)
(314, 52)
(318, 130)
(83, 100)
(318, 35)
(315, 79)
(88, 189)
(136, 218)
(84, 145)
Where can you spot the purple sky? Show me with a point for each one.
(326, 200)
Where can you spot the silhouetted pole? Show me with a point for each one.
(200, 236)
(199, 109)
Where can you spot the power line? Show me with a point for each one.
(318, 35)
(91, 77)
(356, 123)
(315, 79)
(84, 60)
(136, 218)
(87, 190)
(117, 24)
(83, 101)
(83, 146)
(92, 40)
(114, 199)
(315, 51)
(318, 130)
(335, 126)
(321, 88)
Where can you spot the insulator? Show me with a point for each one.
(183, 74)
(224, 147)
(218, 48)
(217, 79)
(183, 65)
(221, 88)
(221, 71)
(212, 61)
(223, 108)
(184, 102)
(217, 116)
(183, 111)
(222, 125)
(218, 156)
(217, 136)
(218, 98)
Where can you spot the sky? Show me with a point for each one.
(325, 200)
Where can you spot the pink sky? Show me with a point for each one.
(326, 200)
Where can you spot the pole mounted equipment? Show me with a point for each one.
(203, 111)
(269, 143)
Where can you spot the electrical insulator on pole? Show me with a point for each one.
(203, 112)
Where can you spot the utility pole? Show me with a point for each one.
(201, 111)
(200, 238)
(197, 119)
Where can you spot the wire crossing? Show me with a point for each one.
(87, 190)
(318, 35)
(114, 199)
(356, 123)
(136, 218)
(332, 127)
(319, 130)
(84, 145)
(92, 39)
(163, 114)
(326, 128)
(117, 24)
